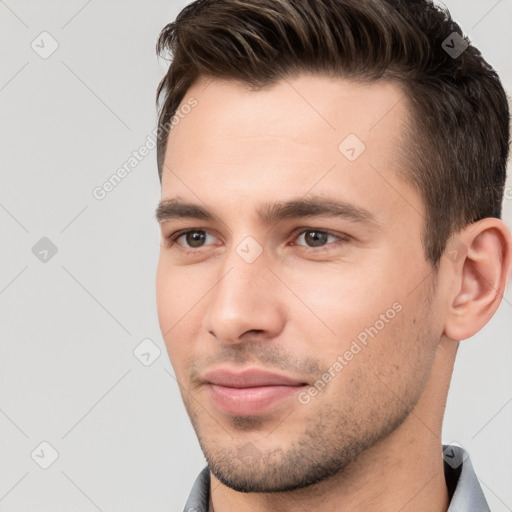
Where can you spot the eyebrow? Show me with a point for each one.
(270, 213)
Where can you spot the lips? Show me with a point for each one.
(249, 379)
(250, 392)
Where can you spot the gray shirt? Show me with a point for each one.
(463, 487)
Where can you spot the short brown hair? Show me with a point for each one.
(458, 149)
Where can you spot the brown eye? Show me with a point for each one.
(195, 238)
(316, 238)
(190, 239)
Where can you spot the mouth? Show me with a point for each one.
(250, 392)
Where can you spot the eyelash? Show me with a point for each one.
(172, 239)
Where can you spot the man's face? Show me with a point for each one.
(299, 338)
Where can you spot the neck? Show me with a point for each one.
(403, 472)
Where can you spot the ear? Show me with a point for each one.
(480, 257)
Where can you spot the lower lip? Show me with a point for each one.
(249, 401)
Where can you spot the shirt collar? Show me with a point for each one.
(462, 482)
(199, 498)
(463, 487)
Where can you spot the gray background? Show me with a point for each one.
(70, 324)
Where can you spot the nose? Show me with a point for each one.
(244, 301)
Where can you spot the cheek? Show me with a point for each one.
(164, 297)
(377, 364)
(360, 320)
(346, 302)
(174, 303)
(176, 293)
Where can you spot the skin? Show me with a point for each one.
(371, 438)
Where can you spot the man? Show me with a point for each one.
(332, 174)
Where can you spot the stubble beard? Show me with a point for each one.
(329, 442)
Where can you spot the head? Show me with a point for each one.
(328, 147)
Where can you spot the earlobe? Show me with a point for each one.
(481, 275)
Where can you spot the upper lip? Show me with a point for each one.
(249, 378)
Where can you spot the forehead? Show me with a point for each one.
(312, 133)
(326, 105)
